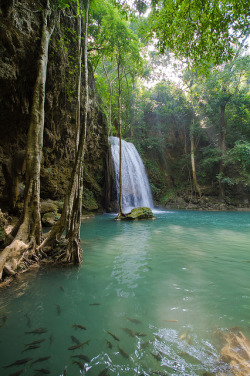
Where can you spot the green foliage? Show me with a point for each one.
(241, 151)
(202, 32)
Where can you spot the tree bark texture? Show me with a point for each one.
(70, 220)
(196, 186)
(222, 148)
(28, 234)
(120, 213)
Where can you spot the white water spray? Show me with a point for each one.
(135, 185)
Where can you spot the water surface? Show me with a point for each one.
(162, 287)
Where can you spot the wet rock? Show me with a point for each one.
(49, 219)
(138, 213)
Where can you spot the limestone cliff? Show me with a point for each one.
(20, 32)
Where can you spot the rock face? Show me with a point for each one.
(20, 34)
(138, 213)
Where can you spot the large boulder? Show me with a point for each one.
(138, 213)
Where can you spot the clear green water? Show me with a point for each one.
(193, 267)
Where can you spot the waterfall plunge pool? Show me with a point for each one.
(162, 287)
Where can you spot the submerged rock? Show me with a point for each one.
(138, 213)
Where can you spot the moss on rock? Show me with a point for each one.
(138, 213)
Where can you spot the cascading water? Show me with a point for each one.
(135, 185)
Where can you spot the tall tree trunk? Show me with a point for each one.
(196, 186)
(222, 148)
(70, 220)
(120, 213)
(27, 235)
(79, 76)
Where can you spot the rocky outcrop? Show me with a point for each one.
(137, 213)
(20, 34)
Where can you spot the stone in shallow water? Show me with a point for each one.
(138, 213)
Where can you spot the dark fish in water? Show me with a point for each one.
(81, 356)
(32, 347)
(135, 321)
(109, 344)
(156, 356)
(62, 288)
(65, 372)
(76, 346)
(123, 352)
(18, 362)
(28, 320)
(116, 338)
(80, 364)
(17, 373)
(51, 338)
(140, 334)
(95, 304)
(37, 331)
(104, 372)
(4, 318)
(58, 308)
(41, 359)
(35, 342)
(145, 344)
(74, 339)
(78, 326)
(43, 371)
(129, 331)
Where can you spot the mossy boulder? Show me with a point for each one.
(49, 219)
(138, 213)
(48, 206)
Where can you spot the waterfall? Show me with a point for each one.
(135, 185)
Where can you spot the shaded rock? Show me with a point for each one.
(48, 206)
(138, 213)
(49, 219)
(88, 200)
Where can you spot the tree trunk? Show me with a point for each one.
(28, 233)
(79, 77)
(196, 186)
(70, 220)
(120, 213)
(222, 148)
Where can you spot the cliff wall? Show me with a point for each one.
(20, 33)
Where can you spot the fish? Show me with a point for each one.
(41, 359)
(28, 320)
(156, 356)
(104, 372)
(18, 362)
(135, 321)
(38, 331)
(35, 342)
(65, 371)
(95, 304)
(17, 373)
(116, 338)
(4, 318)
(109, 344)
(62, 288)
(76, 346)
(74, 339)
(79, 326)
(183, 336)
(32, 347)
(43, 370)
(170, 320)
(58, 308)
(80, 364)
(81, 356)
(145, 344)
(140, 334)
(51, 338)
(123, 352)
(129, 331)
